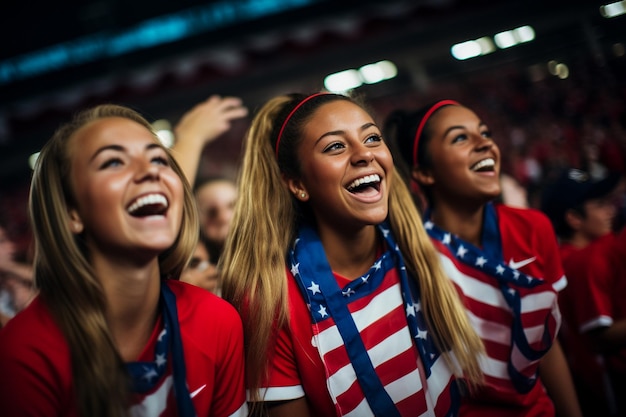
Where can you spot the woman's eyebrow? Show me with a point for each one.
(118, 148)
(340, 132)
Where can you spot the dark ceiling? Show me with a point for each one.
(291, 50)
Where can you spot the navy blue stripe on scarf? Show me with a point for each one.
(326, 299)
(145, 375)
(490, 261)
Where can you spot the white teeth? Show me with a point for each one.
(149, 199)
(489, 162)
(368, 179)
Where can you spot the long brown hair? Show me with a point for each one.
(66, 280)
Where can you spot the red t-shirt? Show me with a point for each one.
(528, 244)
(36, 375)
(594, 297)
(296, 369)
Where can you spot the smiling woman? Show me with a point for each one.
(127, 195)
(504, 261)
(344, 311)
(113, 329)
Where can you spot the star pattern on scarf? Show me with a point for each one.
(160, 360)
(320, 304)
(314, 288)
(149, 373)
(469, 255)
(410, 310)
(348, 292)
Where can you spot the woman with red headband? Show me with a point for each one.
(504, 261)
(346, 308)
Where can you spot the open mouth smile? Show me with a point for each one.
(148, 205)
(365, 184)
(484, 165)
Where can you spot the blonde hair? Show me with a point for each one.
(264, 223)
(66, 280)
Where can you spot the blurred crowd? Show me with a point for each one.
(542, 123)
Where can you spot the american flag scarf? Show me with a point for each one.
(145, 375)
(336, 326)
(532, 302)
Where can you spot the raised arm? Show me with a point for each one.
(199, 126)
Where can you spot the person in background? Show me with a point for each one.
(16, 280)
(113, 332)
(215, 196)
(346, 309)
(200, 271)
(201, 125)
(503, 260)
(513, 193)
(583, 212)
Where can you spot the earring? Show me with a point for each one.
(302, 195)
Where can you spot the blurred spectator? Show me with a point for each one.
(513, 193)
(16, 280)
(216, 199)
(594, 313)
(543, 120)
(200, 271)
(200, 126)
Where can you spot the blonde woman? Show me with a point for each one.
(346, 310)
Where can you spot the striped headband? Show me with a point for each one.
(427, 115)
(295, 109)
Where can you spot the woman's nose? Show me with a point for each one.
(146, 169)
(483, 143)
(362, 155)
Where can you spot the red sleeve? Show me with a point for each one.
(35, 370)
(549, 250)
(594, 277)
(295, 367)
(284, 381)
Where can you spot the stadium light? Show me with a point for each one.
(465, 50)
(613, 9)
(163, 130)
(485, 45)
(346, 80)
(343, 81)
(472, 49)
(380, 71)
(32, 160)
(524, 33)
(514, 37)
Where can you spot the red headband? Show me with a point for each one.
(427, 115)
(280, 134)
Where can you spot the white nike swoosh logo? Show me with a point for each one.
(196, 392)
(520, 264)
